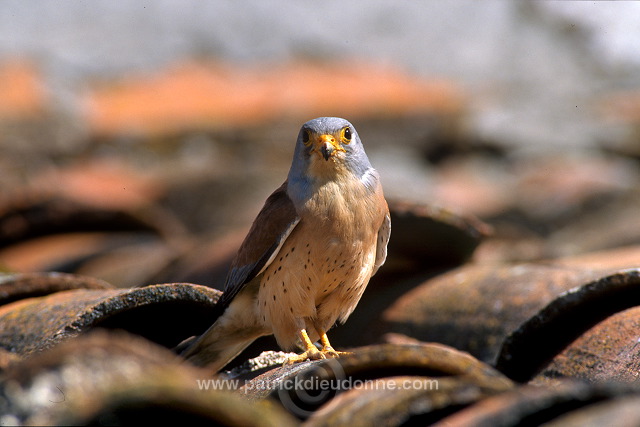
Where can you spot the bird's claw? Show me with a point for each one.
(329, 352)
(310, 354)
(315, 354)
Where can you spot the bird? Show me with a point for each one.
(308, 255)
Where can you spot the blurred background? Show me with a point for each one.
(138, 139)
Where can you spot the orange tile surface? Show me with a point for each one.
(22, 90)
(211, 95)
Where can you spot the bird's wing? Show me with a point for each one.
(272, 226)
(384, 232)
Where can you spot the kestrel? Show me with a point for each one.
(309, 254)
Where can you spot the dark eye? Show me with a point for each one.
(346, 134)
(306, 136)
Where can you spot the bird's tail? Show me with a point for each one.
(222, 342)
(207, 351)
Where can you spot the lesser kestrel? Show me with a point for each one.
(309, 254)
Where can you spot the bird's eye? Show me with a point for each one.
(306, 136)
(345, 134)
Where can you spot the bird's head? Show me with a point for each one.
(328, 147)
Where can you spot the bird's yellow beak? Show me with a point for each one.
(327, 145)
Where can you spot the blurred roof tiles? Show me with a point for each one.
(23, 90)
(210, 95)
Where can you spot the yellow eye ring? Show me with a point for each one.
(306, 137)
(345, 135)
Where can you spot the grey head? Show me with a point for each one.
(328, 148)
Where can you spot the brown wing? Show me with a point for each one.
(270, 229)
(381, 245)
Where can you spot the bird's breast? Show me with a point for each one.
(324, 265)
(343, 208)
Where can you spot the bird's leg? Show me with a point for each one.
(327, 349)
(311, 351)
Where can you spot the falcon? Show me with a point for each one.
(309, 254)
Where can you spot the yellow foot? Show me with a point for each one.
(315, 354)
(327, 349)
(312, 352)
(329, 352)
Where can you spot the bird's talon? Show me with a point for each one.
(311, 354)
(325, 353)
(329, 352)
